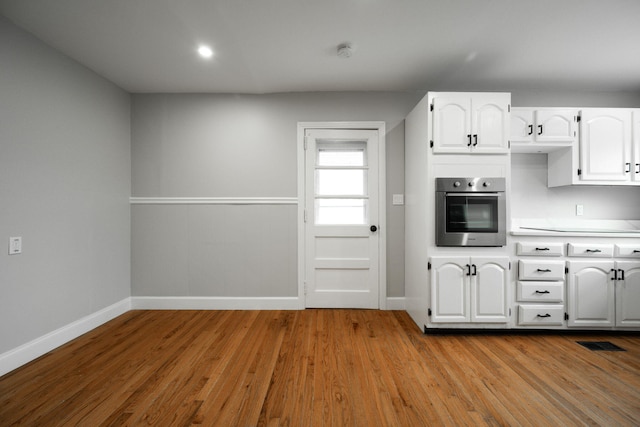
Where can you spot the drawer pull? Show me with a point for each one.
(543, 249)
(636, 251)
(593, 251)
(542, 292)
(543, 315)
(545, 270)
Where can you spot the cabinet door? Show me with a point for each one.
(489, 289)
(521, 125)
(490, 124)
(628, 294)
(605, 144)
(635, 170)
(591, 294)
(452, 125)
(450, 289)
(552, 125)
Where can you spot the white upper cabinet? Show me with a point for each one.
(542, 130)
(605, 144)
(471, 123)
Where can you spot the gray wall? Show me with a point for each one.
(64, 187)
(239, 146)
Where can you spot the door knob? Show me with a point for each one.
(373, 228)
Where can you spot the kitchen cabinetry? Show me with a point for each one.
(471, 123)
(540, 286)
(469, 289)
(607, 154)
(603, 293)
(542, 130)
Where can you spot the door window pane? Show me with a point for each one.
(336, 157)
(341, 211)
(340, 182)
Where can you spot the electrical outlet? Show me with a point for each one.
(398, 199)
(579, 210)
(15, 245)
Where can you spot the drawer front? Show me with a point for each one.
(540, 291)
(540, 249)
(540, 315)
(628, 250)
(540, 270)
(596, 250)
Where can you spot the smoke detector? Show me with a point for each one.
(345, 50)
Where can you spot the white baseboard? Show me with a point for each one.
(215, 303)
(19, 356)
(24, 354)
(395, 303)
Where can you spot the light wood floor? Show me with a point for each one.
(319, 367)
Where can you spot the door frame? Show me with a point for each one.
(382, 198)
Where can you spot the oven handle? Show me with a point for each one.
(474, 194)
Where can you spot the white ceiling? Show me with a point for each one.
(265, 46)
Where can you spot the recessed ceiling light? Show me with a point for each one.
(205, 51)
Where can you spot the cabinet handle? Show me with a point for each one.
(469, 144)
(637, 167)
(468, 269)
(530, 130)
(621, 274)
(475, 139)
(593, 251)
(475, 270)
(543, 315)
(546, 270)
(615, 273)
(539, 129)
(543, 249)
(628, 167)
(636, 251)
(542, 292)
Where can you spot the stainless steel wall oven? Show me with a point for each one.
(470, 212)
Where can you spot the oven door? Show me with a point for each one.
(470, 219)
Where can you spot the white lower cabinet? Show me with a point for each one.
(603, 293)
(469, 289)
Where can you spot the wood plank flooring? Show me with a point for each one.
(320, 368)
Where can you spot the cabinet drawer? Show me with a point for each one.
(540, 270)
(628, 250)
(540, 291)
(543, 315)
(540, 249)
(596, 250)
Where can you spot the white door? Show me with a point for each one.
(490, 123)
(605, 146)
(555, 125)
(489, 289)
(628, 293)
(452, 125)
(341, 214)
(635, 170)
(591, 293)
(450, 289)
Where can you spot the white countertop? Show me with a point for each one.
(575, 227)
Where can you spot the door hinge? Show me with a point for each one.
(431, 107)
(509, 265)
(429, 312)
(428, 266)
(509, 108)
(509, 144)
(509, 312)
(579, 172)
(566, 270)
(566, 316)
(578, 118)
(431, 144)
